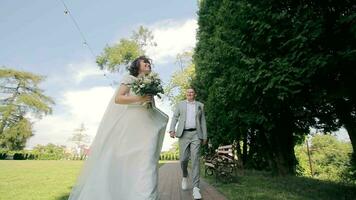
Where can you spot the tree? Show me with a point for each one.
(20, 95)
(81, 139)
(126, 50)
(181, 79)
(267, 74)
(49, 151)
(330, 157)
(16, 135)
(174, 148)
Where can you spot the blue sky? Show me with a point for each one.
(37, 36)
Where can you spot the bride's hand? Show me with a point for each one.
(145, 98)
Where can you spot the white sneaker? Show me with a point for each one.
(196, 193)
(185, 183)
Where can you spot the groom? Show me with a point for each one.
(191, 132)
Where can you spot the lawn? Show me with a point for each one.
(261, 186)
(52, 180)
(37, 179)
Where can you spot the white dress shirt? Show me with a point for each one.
(190, 118)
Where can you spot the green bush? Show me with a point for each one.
(3, 154)
(330, 159)
(169, 156)
(33, 155)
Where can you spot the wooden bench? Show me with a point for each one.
(223, 163)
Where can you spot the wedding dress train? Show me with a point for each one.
(123, 159)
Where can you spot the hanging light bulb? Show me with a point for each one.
(66, 12)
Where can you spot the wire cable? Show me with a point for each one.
(81, 33)
(85, 41)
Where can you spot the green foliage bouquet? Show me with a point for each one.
(149, 84)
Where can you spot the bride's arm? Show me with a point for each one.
(122, 98)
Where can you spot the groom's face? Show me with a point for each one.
(190, 94)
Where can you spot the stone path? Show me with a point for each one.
(170, 177)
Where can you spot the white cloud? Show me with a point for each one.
(52, 129)
(88, 104)
(81, 106)
(172, 37)
(74, 73)
(83, 70)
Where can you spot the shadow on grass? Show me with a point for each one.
(64, 197)
(261, 185)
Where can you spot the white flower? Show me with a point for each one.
(147, 81)
(154, 75)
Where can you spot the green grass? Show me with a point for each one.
(37, 179)
(261, 186)
(52, 180)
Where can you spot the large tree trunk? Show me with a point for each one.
(281, 144)
(344, 113)
(284, 157)
(350, 126)
(351, 130)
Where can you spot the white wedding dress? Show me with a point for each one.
(123, 159)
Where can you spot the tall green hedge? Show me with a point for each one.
(269, 70)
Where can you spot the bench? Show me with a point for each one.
(223, 163)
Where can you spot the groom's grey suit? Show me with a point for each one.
(189, 141)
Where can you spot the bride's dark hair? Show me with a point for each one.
(135, 65)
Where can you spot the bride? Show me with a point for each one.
(123, 159)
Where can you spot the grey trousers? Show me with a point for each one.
(189, 146)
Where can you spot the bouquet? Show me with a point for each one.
(149, 84)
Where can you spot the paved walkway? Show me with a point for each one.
(170, 177)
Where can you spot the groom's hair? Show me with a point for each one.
(134, 67)
(192, 87)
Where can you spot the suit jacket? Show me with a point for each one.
(179, 116)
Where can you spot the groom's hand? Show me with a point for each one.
(172, 134)
(204, 142)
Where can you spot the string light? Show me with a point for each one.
(85, 41)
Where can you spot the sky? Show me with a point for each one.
(37, 36)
